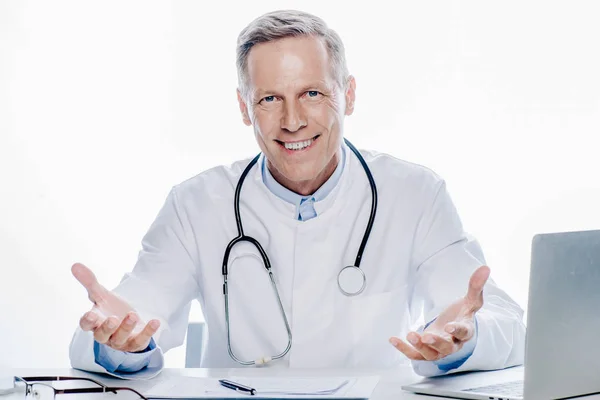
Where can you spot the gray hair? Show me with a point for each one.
(288, 23)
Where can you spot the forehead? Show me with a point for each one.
(288, 62)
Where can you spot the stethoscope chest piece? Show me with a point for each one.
(351, 280)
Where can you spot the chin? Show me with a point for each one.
(299, 173)
(299, 178)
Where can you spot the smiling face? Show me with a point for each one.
(297, 109)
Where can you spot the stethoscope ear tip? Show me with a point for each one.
(263, 360)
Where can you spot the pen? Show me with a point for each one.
(237, 387)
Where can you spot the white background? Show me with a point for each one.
(106, 105)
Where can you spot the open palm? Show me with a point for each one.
(113, 321)
(452, 328)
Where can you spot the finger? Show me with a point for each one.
(476, 283)
(442, 345)
(104, 331)
(124, 330)
(462, 331)
(140, 341)
(427, 352)
(90, 321)
(86, 277)
(406, 349)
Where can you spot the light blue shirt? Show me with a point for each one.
(305, 205)
(118, 361)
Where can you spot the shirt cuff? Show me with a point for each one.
(120, 361)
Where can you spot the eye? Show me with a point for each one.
(312, 93)
(269, 99)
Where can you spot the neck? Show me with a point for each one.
(310, 186)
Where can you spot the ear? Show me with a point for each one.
(350, 95)
(243, 109)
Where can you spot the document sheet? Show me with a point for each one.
(267, 387)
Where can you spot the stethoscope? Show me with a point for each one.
(351, 279)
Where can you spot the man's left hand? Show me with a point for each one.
(451, 329)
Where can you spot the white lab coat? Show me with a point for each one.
(417, 261)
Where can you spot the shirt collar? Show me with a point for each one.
(294, 198)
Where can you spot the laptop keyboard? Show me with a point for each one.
(511, 389)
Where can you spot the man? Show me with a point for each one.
(307, 202)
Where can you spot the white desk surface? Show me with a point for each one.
(389, 386)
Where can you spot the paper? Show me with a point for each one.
(268, 387)
(287, 386)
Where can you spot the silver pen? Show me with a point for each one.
(238, 387)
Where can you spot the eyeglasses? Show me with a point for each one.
(35, 390)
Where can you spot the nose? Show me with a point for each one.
(293, 118)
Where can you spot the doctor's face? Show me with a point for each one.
(297, 109)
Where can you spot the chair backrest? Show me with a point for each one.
(195, 341)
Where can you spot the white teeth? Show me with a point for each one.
(298, 145)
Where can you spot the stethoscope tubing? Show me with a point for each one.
(241, 237)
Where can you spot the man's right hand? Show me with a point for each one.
(112, 319)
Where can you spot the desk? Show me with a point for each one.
(387, 389)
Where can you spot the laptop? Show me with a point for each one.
(562, 351)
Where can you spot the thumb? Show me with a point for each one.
(86, 277)
(478, 280)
